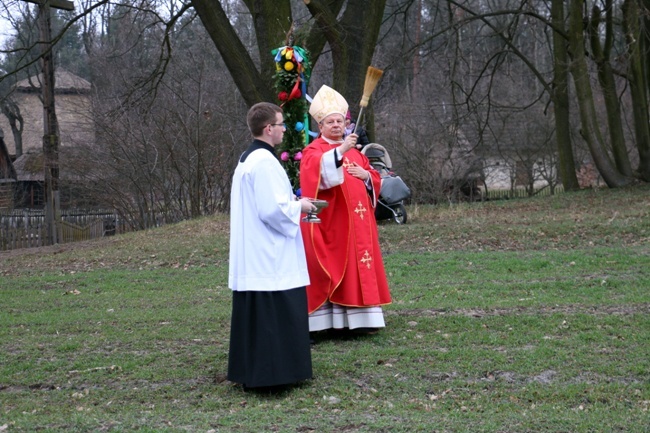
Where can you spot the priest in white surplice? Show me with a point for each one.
(269, 337)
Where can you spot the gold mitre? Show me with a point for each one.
(327, 101)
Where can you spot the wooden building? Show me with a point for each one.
(76, 127)
(7, 176)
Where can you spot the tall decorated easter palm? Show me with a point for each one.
(293, 70)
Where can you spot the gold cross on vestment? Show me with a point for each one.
(347, 163)
(360, 210)
(366, 259)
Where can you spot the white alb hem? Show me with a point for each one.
(338, 317)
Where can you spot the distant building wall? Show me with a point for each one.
(499, 174)
(73, 110)
(73, 113)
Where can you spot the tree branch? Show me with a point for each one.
(243, 70)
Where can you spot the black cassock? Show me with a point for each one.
(269, 338)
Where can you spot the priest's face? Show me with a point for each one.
(333, 126)
(277, 129)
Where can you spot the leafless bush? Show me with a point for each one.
(432, 155)
(167, 154)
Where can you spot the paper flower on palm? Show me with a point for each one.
(289, 58)
(295, 92)
(293, 70)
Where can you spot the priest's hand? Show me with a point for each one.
(306, 206)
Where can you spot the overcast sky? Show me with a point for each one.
(5, 25)
(5, 28)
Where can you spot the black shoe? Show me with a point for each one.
(272, 390)
(365, 331)
(338, 332)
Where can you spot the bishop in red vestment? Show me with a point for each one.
(348, 281)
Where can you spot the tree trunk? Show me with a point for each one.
(567, 170)
(352, 40)
(272, 22)
(11, 110)
(637, 45)
(415, 81)
(608, 86)
(51, 137)
(589, 121)
(361, 25)
(254, 87)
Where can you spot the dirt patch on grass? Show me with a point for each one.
(597, 310)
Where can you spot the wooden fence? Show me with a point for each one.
(521, 192)
(11, 239)
(26, 228)
(68, 232)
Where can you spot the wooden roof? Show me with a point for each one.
(64, 82)
(29, 166)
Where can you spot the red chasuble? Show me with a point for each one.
(343, 256)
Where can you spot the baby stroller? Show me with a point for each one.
(393, 189)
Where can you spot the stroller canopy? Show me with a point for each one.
(377, 153)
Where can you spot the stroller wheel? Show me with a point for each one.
(400, 214)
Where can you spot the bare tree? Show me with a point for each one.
(590, 131)
(637, 33)
(463, 79)
(560, 98)
(349, 29)
(602, 53)
(12, 111)
(168, 155)
(486, 38)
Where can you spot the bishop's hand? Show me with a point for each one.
(359, 172)
(349, 142)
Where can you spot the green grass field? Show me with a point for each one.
(512, 316)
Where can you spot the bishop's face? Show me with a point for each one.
(333, 126)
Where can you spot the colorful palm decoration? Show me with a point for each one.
(293, 70)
